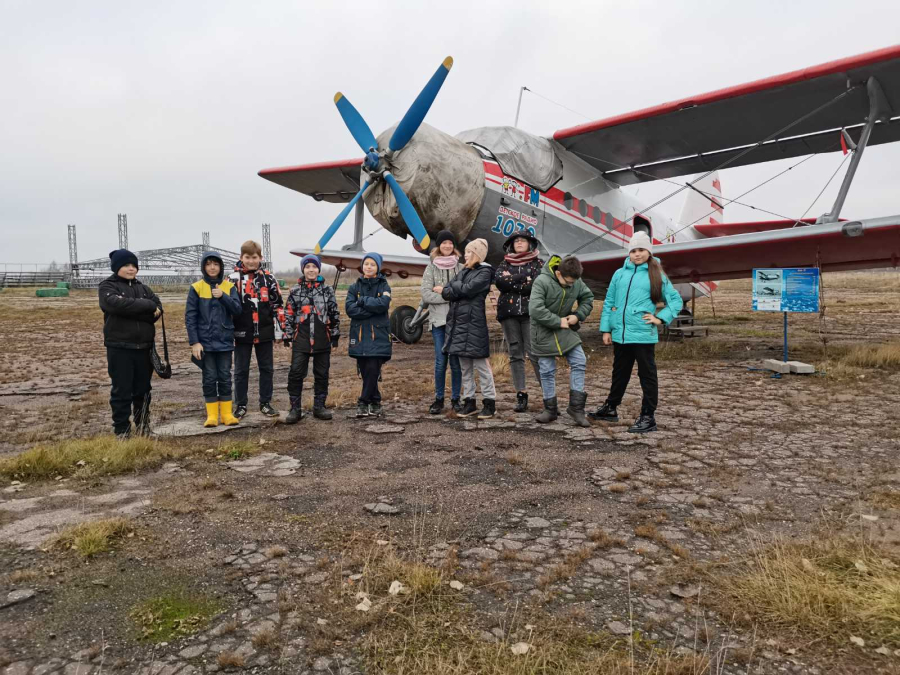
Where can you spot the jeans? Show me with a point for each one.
(265, 360)
(485, 377)
(577, 365)
(129, 371)
(517, 331)
(439, 335)
(216, 376)
(624, 356)
(299, 369)
(370, 371)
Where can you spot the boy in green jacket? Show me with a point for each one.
(559, 302)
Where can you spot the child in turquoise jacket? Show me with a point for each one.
(640, 298)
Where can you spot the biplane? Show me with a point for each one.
(566, 189)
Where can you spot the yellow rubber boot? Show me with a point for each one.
(225, 411)
(212, 415)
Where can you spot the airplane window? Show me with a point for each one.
(567, 200)
(582, 207)
(597, 215)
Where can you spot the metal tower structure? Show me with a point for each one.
(206, 239)
(267, 244)
(123, 230)
(73, 251)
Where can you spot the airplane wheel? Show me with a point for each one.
(401, 319)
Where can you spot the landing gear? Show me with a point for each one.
(402, 326)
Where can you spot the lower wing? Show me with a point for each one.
(401, 265)
(858, 244)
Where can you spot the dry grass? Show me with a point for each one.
(102, 456)
(265, 639)
(828, 588)
(89, 539)
(500, 364)
(884, 356)
(231, 660)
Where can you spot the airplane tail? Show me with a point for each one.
(703, 206)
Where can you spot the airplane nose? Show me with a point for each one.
(443, 178)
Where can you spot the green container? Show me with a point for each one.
(281, 284)
(63, 284)
(52, 292)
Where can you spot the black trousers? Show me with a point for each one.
(299, 369)
(130, 371)
(370, 370)
(265, 361)
(624, 356)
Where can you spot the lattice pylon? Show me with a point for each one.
(267, 244)
(73, 251)
(123, 230)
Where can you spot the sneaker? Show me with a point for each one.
(488, 409)
(375, 409)
(265, 408)
(605, 413)
(362, 410)
(521, 402)
(436, 407)
(240, 411)
(468, 408)
(455, 404)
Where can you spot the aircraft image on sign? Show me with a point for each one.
(767, 290)
(490, 182)
(762, 276)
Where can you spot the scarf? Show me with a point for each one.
(445, 262)
(521, 258)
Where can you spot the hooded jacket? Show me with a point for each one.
(312, 318)
(550, 302)
(467, 334)
(209, 320)
(128, 309)
(438, 308)
(261, 302)
(628, 299)
(367, 305)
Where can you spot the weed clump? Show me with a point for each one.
(171, 616)
(89, 539)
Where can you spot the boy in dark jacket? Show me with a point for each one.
(554, 322)
(514, 278)
(129, 311)
(212, 304)
(368, 301)
(312, 323)
(254, 329)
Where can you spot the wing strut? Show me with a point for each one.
(879, 111)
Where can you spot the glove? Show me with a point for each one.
(334, 342)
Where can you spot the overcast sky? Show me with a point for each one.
(166, 111)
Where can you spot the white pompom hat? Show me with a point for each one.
(640, 239)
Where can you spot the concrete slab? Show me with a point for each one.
(777, 366)
(801, 368)
(193, 426)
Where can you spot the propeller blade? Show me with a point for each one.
(417, 111)
(329, 233)
(408, 211)
(355, 123)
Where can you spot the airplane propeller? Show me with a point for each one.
(377, 161)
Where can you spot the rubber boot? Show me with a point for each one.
(212, 415)
(577, 399)
(521, 402)
(228, 419)
(320, 412)
(549, 413)
(296, 413)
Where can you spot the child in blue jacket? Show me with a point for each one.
(368, 301)
(212, 304)
(640, 298)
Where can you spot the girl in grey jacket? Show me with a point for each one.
(444, 266)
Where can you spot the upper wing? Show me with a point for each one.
(335, 182)
(695, 135)
(837, 246)
(715, 229)
(401, 265)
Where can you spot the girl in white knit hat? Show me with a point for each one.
(640, 298)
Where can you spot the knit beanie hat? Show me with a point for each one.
(640, 239)
(444, 235)
(376, 258)
(310, 258)
(479, 247)
(121, 257)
